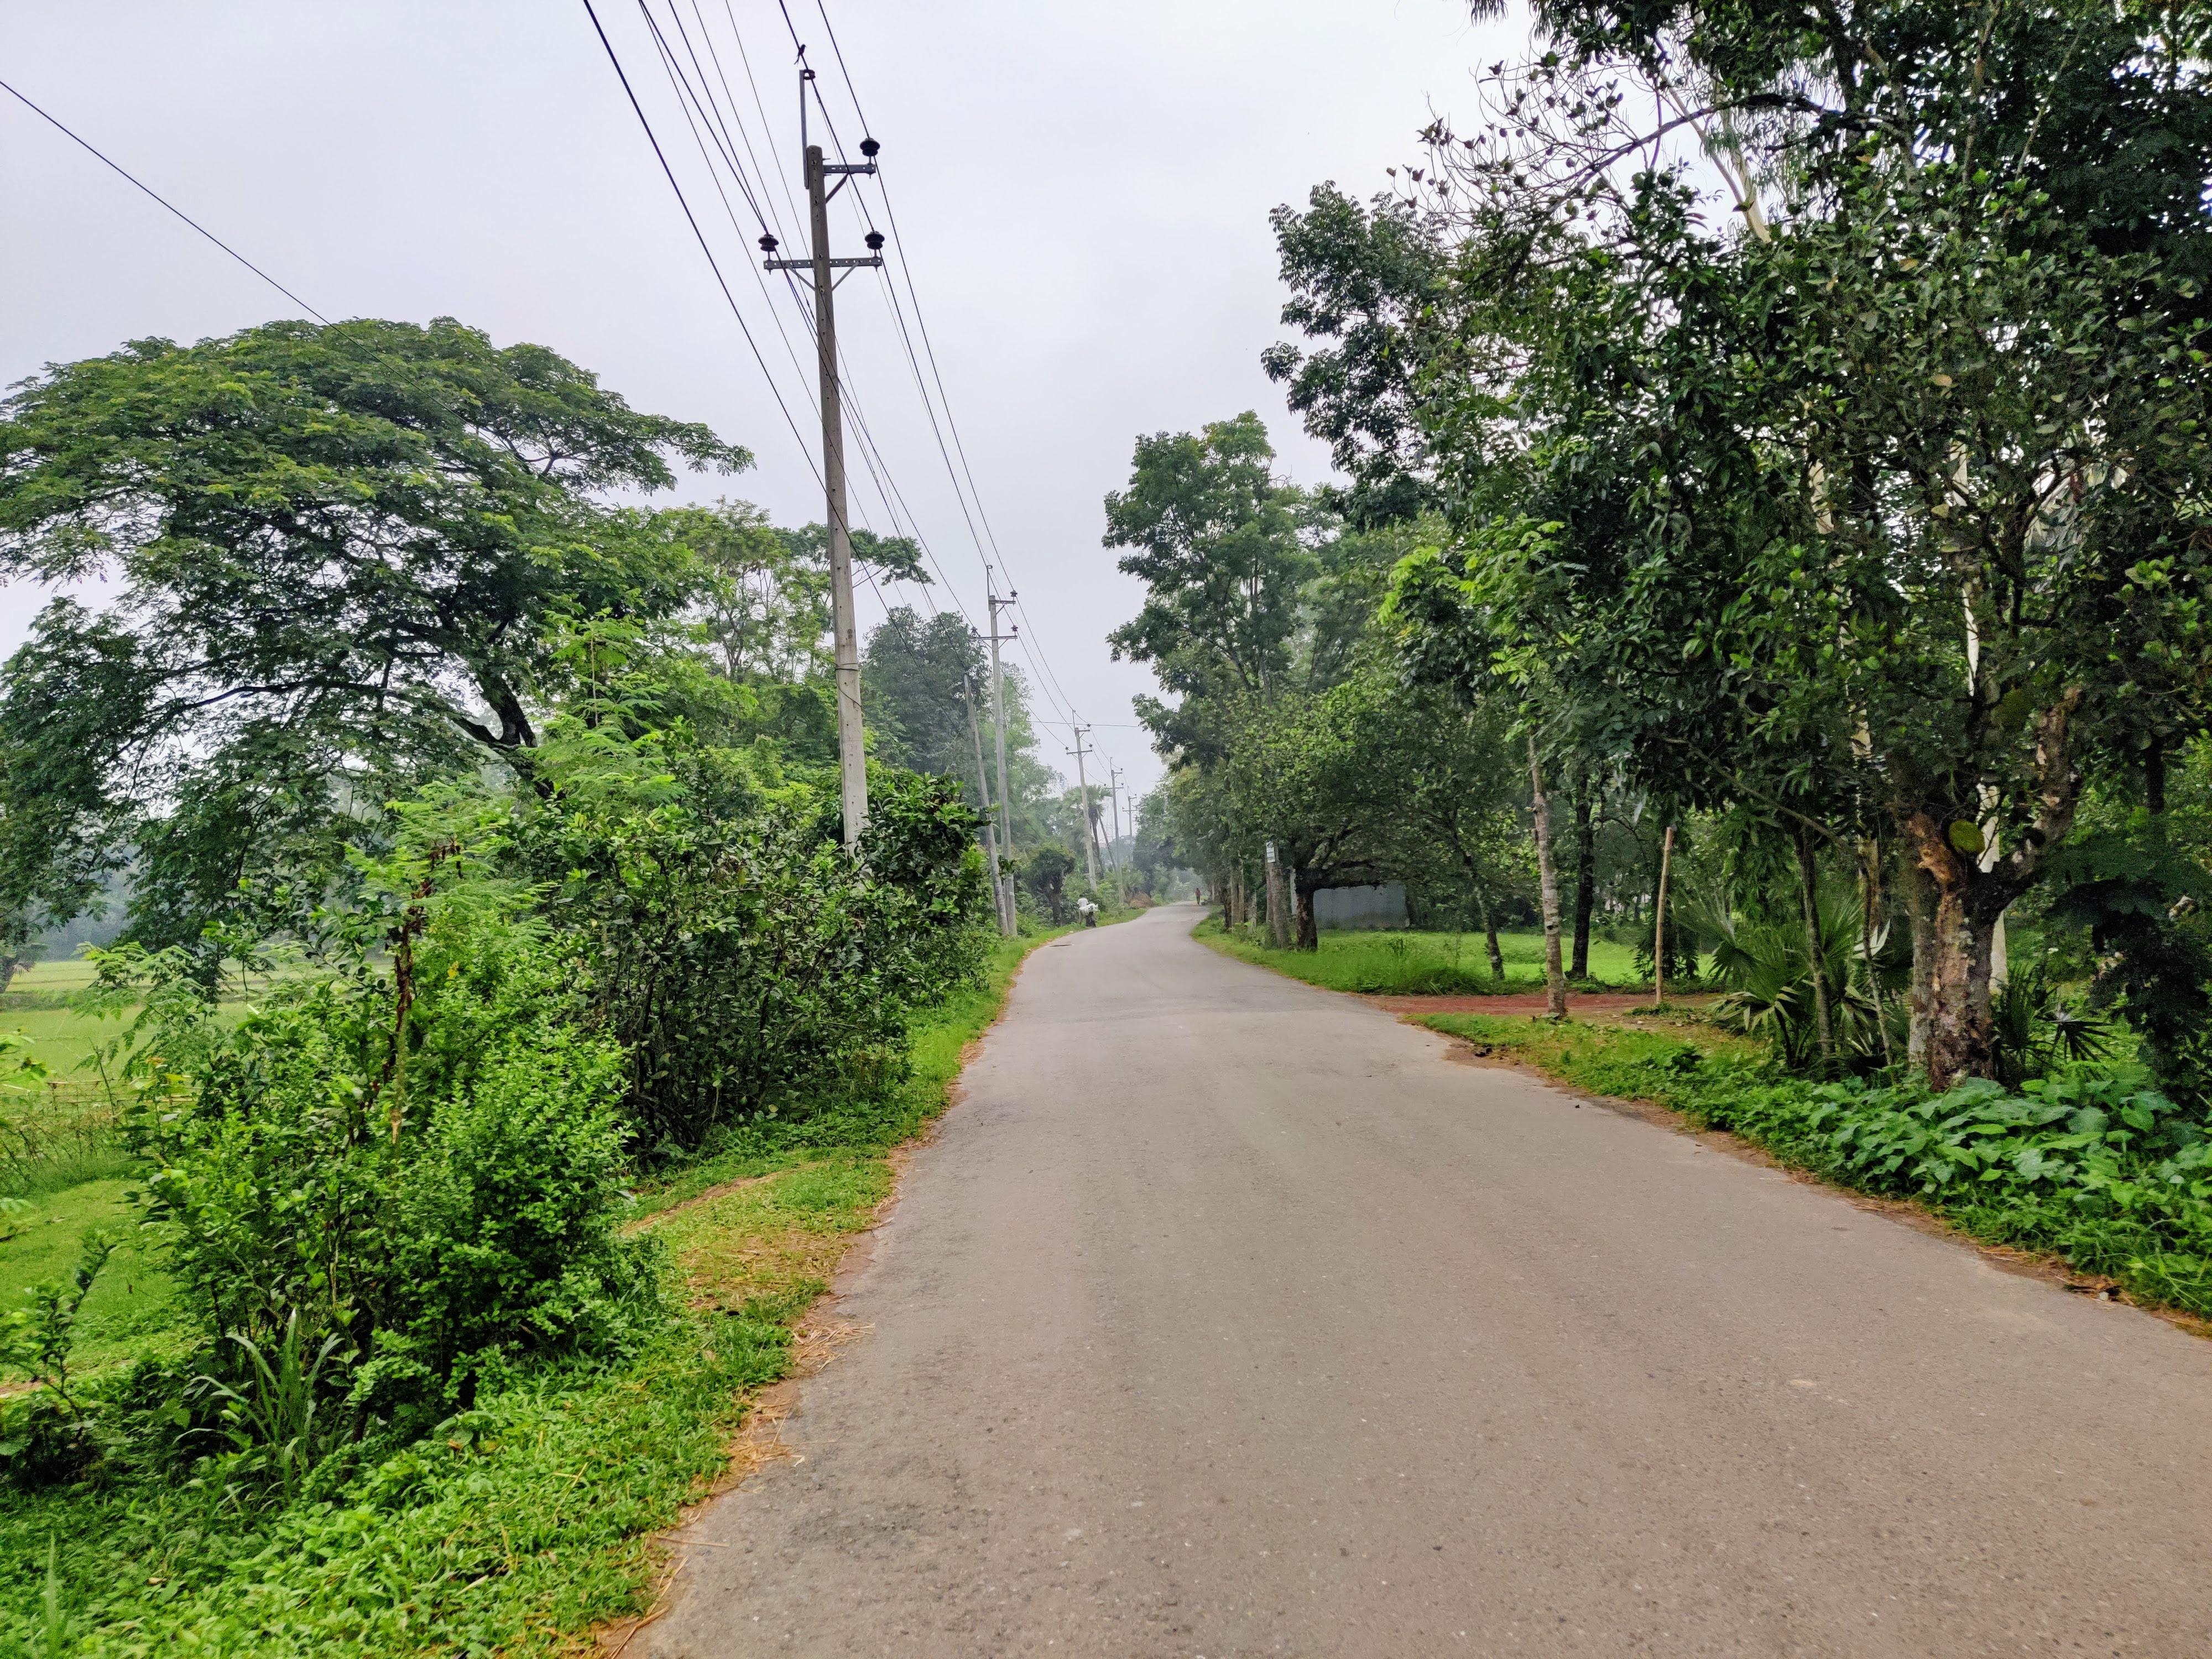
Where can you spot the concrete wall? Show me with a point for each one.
(1346, 908)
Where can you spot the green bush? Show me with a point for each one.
(745, 963)
(414, 1172)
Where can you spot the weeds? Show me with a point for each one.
(2096, 1167)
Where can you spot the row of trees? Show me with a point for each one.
(1795, 421)
(1293, 723)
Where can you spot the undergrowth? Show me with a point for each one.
(2094, 1166)
(529, 1517)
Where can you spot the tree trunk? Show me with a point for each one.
(1659, 922)
(1236, 908)
(1816, 966)
(1547, 884)
(1963, 909)
(1490, 934)
(1309, 930)
(1585, 885)
(1869, 903)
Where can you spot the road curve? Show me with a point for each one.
(1227, 1317)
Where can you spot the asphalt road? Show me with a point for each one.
(1229, 1318)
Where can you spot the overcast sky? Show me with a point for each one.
(1082, 188)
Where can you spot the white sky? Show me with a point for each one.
(1083, 189)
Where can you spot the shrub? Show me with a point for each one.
(745, 963)
(2115, 1176)
(419, 1168)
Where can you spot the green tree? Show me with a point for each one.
(1877, 511)
(1215, 537)
(917, 679)
(343, 556)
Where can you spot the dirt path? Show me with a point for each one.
(1225, 1318)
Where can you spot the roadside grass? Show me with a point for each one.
(130, 1307)
(2088, 1170)
(1422, 964)
(530, 1519)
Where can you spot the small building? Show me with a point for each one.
(1343, 909)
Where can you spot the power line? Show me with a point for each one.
(701, 98)
(692, 219)
(164, 201)
(929, 350)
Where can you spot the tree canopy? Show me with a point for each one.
(339, 555)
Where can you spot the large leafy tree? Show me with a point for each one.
(918, 681)
(1366, 283)
(1215, 537)
(342, 555)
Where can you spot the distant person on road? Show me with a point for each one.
(1090, 912)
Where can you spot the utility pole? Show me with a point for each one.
(1090, 842)
(1113, 797)
(851, 756)
(990, 837)
(998, 714)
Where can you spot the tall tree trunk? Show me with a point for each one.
(1309, 930)
(1659, 922)
(1547, 885)
(1816, 966)
(1963, 909)
(1585, 884)
(1489, 931)
(1869, 905)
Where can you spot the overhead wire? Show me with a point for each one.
(703, 114)
(692, 219)
(720, 135)
(701, 98)
(140, 184)
(921, 326)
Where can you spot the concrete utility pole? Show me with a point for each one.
(1090, 842)
(1113, 797)
(990, 833)
(1279, 901)
(999, 715)
(990, 836)
(851, 756)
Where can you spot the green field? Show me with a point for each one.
(1423, 965)
(68, 974)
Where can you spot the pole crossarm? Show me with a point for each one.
(873, 262)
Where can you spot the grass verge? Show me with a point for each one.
(530, 1519)
(1422, 964)
(2094, 1171)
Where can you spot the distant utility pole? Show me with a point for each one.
(852, 757)
(1090, 842)
(1113, 797)
(999, 712)
(990, 836)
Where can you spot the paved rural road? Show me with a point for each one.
(1228, 1317)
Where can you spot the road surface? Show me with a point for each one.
(1229, 1318)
